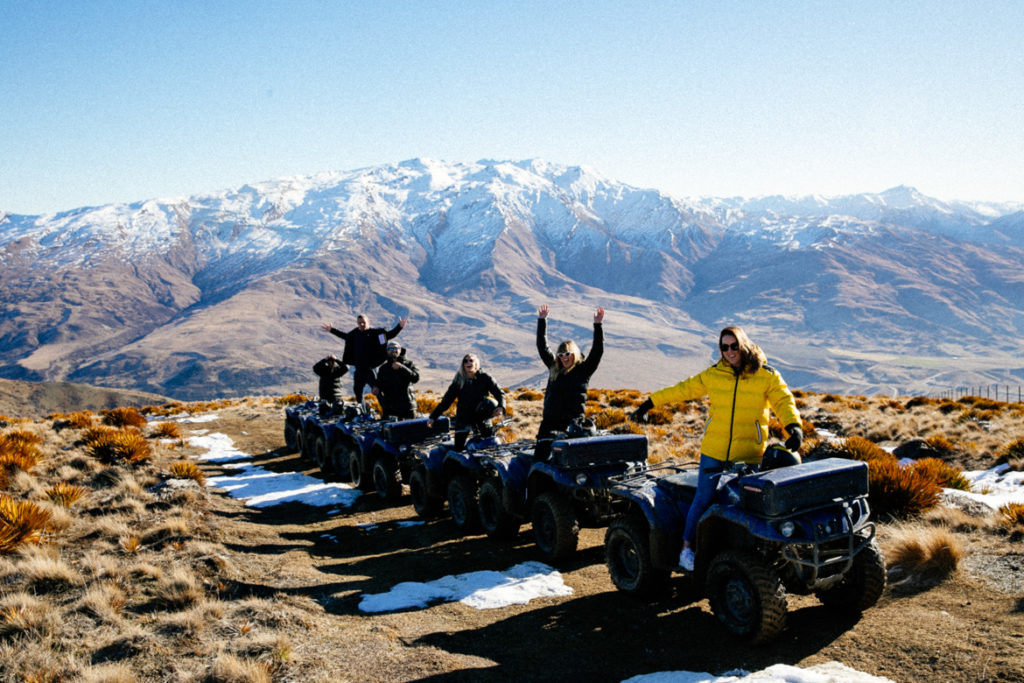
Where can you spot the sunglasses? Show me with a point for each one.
(564, 354)
(735, 346)
(467, 361)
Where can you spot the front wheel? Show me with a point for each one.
(464, 502)
(425, 505)
(556, 530)
(387, 480)
(496, 520)
(862, 586)
(747, 596)
(627, 549)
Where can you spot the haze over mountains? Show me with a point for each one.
(223, 294)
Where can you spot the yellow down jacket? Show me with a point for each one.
(737, 426)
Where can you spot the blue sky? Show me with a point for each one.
(124, 101)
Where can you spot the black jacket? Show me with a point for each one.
(366, 348)
(469, 396)
(395, 384)
(330, 371)
(566, 394)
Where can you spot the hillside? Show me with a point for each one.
(38, 399)
(144, 580)
(223, 294)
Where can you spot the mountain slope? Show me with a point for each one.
(223, 294)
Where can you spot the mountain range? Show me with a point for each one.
(223, 294)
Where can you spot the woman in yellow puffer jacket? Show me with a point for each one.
(741, 391)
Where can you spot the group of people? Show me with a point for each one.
(742, 391)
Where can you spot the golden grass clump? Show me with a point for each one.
(22, 613)
(291, 399)
(527, 394)
(941, 444)
(1012, 514)
(65, 494)
(110, 445)
(606, 419)
(859, 448)
(166, 430)
(924, 552)
(81, 419)
(178, 589)
(426, 404)
(184, 469)
(895, 491)
(230, 668)
(21, 522)
(1013, 450)
(124, 417)
(18, 449)
(942, 473)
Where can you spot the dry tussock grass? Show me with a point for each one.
(123, 417)
(1012, 514)
(66, 494)
(166, 430)
(185, 469)
(925, 554)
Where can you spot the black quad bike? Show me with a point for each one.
(802, 528)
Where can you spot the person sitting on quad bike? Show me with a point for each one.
(364, 350)
(330, 370)
(395, 378)
(569, 375)
(741, 390)
(471, 388)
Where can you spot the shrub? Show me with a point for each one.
(924, 553)
(859, 448)
(184, 469)
(124, 417)
(65, 494)
(608, 418)
(80, 420)
(899, 492)
(941, 444)
(110, 445)
(20, 522)
(1013, 450)
(942, 473)
(166, 430)
(1012, 514)
(919, 401)
(291, 399)
(426, 404)
(526, 394)
(658, 416)
(624, 398)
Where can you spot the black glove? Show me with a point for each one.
(640, 414)
(796, 437)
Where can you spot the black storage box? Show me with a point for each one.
(412, 431)
(599, 450)
(777, 492)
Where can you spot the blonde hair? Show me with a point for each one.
(752, 358)
(577, 357)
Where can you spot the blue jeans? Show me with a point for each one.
(707, 483)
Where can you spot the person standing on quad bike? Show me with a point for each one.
(479, 399)
(395, 378)
(569, 375)
(364, 350)
(330, 370)
(741, 390)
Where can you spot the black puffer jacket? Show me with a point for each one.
(366, 348)
(566, 394)
(469, 396)
(395, 384)
(330, 371)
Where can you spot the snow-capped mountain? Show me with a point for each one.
(223, 294)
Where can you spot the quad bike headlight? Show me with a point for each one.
(581, 478)
(787, 528)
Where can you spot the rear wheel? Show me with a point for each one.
(464, 502)
(747, 596)
(627, 548)
(341, 454)
(291, 436)
(862, 586)
(361, 479)
(387, 480)
(495, 518)
(556, 530)
(320, 456)
(425, 505)
(307, 443)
